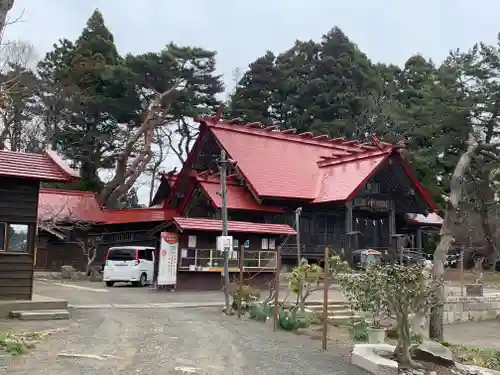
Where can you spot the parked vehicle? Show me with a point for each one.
(133, 264)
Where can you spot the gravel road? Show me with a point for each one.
(175, 341)
(164, 340)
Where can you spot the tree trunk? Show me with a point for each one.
(5, 7)
(447, 238)
(402, 350)
(91, 255)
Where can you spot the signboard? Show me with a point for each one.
(167, 266)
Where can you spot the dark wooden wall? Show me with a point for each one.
(18, 205)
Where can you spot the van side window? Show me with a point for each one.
(142, 254)
(149, 254)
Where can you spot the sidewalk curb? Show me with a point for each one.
(166, 305)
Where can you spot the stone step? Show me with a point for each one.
(330, 303)
(40, 314)
(343, 312)
(319, 309)
(344, 319)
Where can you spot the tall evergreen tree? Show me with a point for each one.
(100, 95)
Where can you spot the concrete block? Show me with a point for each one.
(366, 357)
(40, 314)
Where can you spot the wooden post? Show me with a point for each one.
(326, 284)
(241, 264)
(277, 288)
(462, 272)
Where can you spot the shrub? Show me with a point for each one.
(396, 290)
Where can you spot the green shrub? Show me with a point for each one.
(287, 320)
(246, 294)
(359, 330)
(258, 312)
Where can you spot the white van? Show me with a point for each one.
(133, 264)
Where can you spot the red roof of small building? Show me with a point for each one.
(138, 215)
(238, 197)
(71, 205)
(210, 225)
(46, 167)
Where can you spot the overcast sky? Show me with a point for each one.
(386, 30)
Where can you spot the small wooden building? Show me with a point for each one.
(200, 265)
(20, 177)
(73, 208)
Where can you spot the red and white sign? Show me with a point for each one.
(167, 267)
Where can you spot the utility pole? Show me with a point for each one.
(297, 229)
(223, 163)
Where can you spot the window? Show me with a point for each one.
(214, 258)
(146, 254)
(17, 238)
(121, 254)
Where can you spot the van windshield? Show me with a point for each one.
(122, 254)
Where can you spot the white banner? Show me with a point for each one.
(167, 266)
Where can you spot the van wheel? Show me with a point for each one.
(109, 284)
(143, 280)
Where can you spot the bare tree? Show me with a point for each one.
(452, 223)
(19, 127)
(180, 136)
(63, 221)
(5, 8)
(159, 156)
(132, 161)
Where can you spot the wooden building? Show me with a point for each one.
(60, 210)
(200, 265)
(352, 195)
(20, 177)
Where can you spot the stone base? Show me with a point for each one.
(474, 290)
(365, 356)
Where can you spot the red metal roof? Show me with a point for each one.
(340, 180)
(46, 167)
(279, 164)
(74, 205)
(238, 197)
(210, 225)
(138, 215)
(282, 164)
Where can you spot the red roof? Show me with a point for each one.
(46, 167)
(238, 197)
(281, 164)
(74, 205)
(138, 215)
(210, 225)
(347, 177)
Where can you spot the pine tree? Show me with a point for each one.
(99, 95)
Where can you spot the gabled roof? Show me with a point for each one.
(167, 179)
(46, 167)
(68, 205)
(237, 196)
(210, 225)
(284, 165)
(138, 215)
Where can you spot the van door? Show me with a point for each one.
(120, 263)
(146, 264)
(151, 265)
